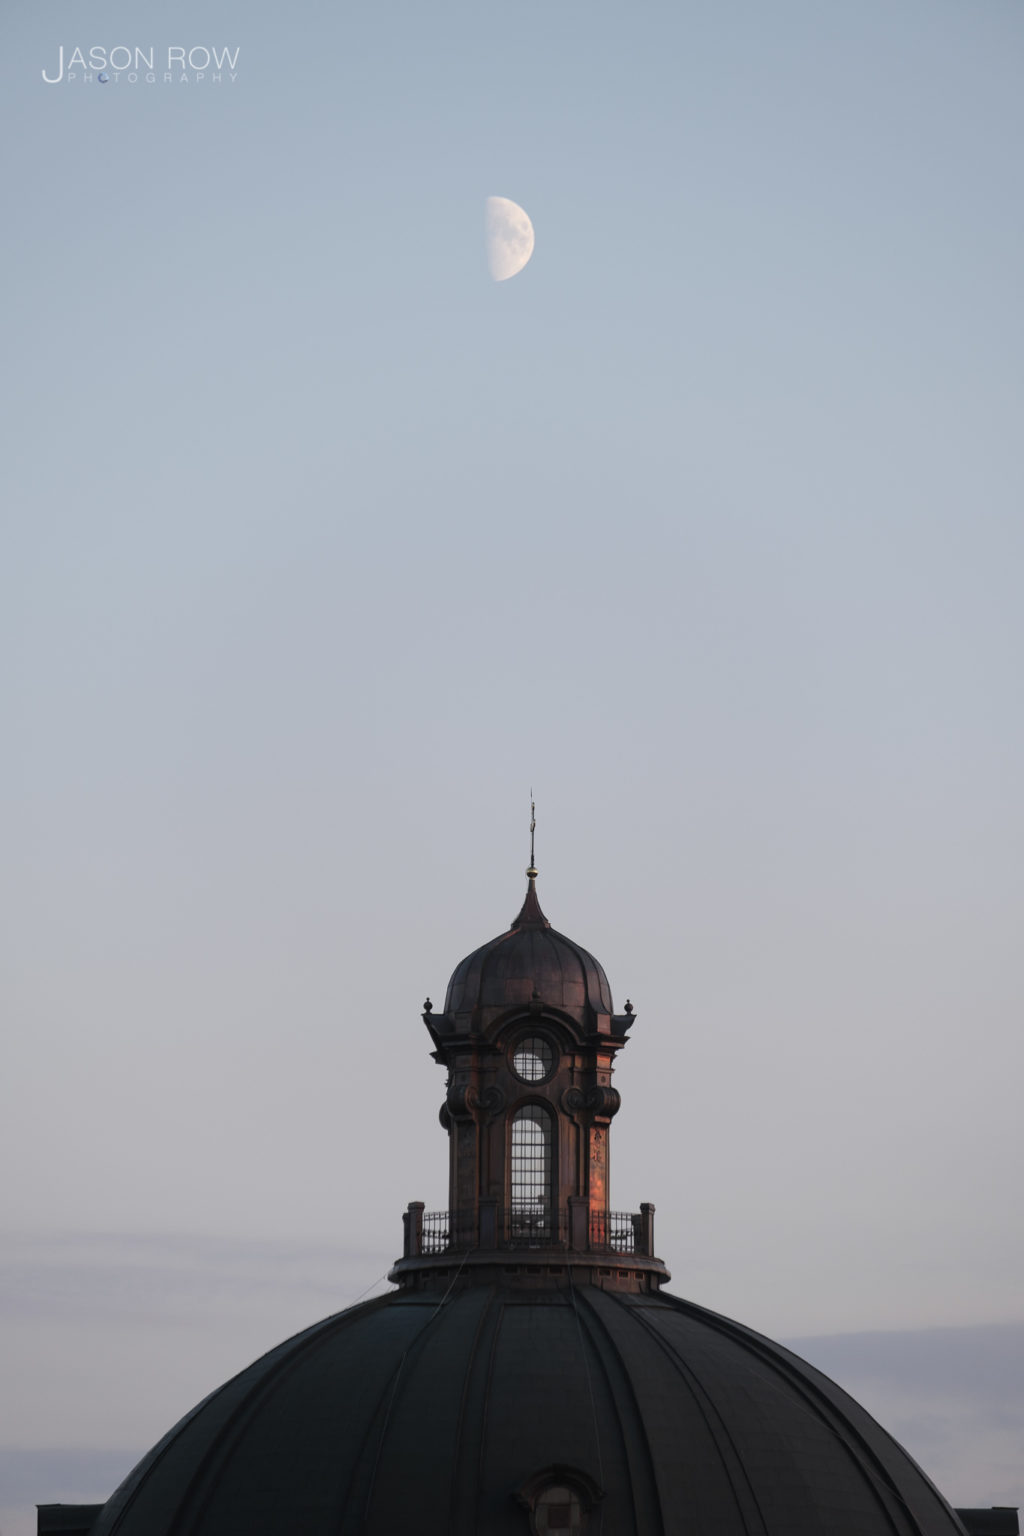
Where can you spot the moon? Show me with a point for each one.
(509, 238)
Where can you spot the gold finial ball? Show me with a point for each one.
(531, 873)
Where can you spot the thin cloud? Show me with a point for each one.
(119, 1275)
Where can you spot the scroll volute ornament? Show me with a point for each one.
(464, 1101)
(598, 1103)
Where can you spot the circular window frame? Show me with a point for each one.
(521, 1043)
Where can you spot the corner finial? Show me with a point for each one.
(532, 871)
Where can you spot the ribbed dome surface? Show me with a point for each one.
(406, 1417)
(530, 958)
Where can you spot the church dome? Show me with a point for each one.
(413, 1414)
(529, 1374)
(528, 962)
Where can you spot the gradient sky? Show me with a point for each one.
(320, 549)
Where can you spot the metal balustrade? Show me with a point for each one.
(528, 1226)
(619, 1231)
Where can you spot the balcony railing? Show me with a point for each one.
(618, 1231)
(459, 1231)
(524, 1227)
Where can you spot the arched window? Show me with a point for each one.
(530, 1181)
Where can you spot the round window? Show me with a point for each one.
(533, 1059)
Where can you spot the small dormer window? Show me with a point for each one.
(533, 1059)
(559, 1499)
(557, 1509)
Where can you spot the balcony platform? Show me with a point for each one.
(528, 1247)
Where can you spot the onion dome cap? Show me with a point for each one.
(531, 962)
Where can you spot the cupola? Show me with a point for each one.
(528, 1037)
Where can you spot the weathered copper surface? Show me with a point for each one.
(529, 984)
(530, 956)
(403, 1418)
(529, 1360)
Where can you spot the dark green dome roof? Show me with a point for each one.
(414, 1415)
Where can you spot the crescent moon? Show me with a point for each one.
(509, 238)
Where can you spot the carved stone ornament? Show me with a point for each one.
(491, 1102)
(604, 1101)
(466, 1102)
(574, 1101)
(599, 1102)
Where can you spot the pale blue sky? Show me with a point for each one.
(320, 549)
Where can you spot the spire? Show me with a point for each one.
(530, 915)
(532, 871)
